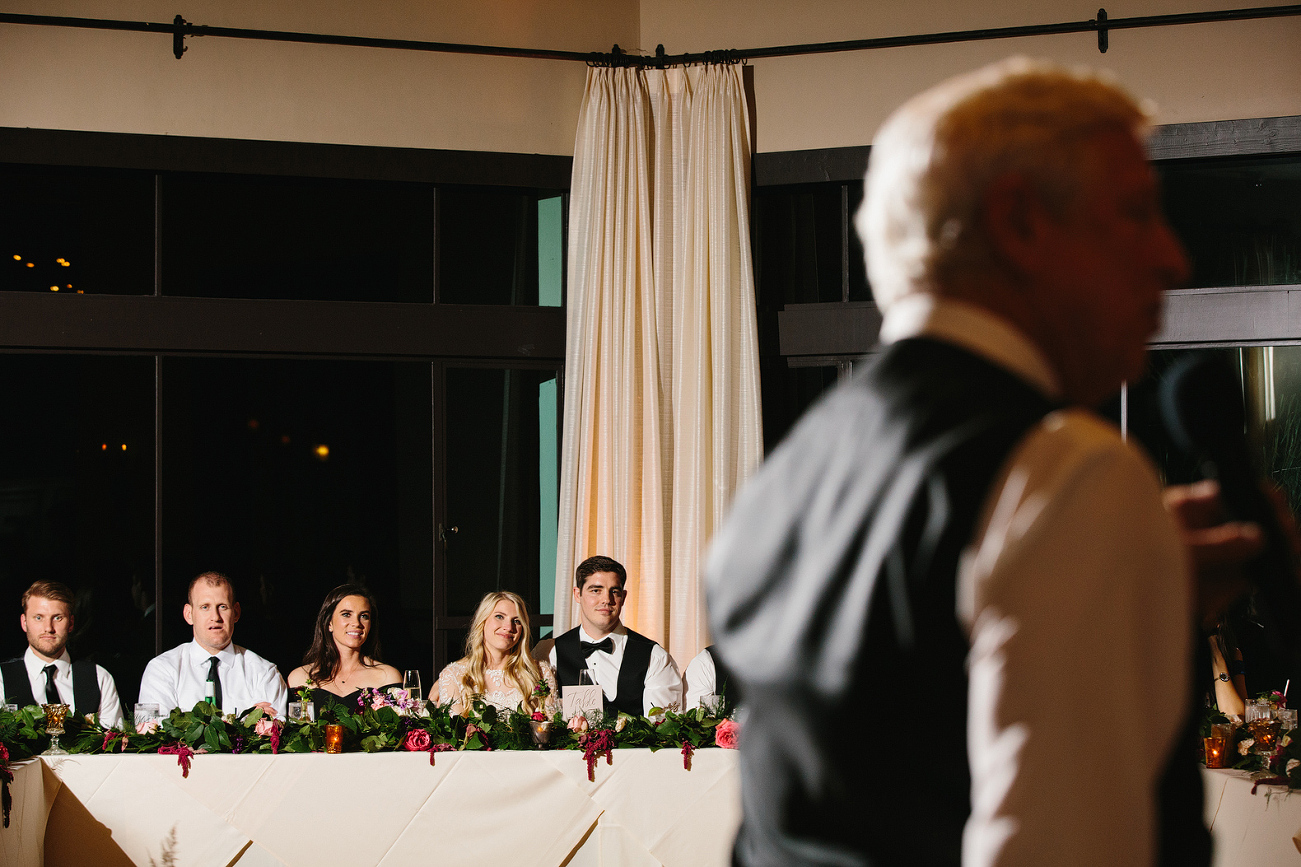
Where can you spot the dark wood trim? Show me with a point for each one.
(1231, 316)
(152, 324)
(168, 153)
(1220, 138)
(773, 168)
(1225, 138)
(847, 328)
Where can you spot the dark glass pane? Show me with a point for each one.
(859, 290)
(498, 245)
(77, 501)
(1240, 219)
(799, 247)
(1271, 378)
(787, 393)
(77, 230)
(241, 236)
(293, 477)
(501, 486)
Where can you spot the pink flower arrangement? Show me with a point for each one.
(539, 716)
(417, 741)
(147, 727)
(398, 699)
(727, 733)
(265, 727)
(578, 723)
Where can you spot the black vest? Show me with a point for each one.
(632, 669)
(85, 685)
(724, 684)
(833, 583)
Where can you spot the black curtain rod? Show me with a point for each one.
(179, 29)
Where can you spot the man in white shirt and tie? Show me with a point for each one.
(45, 673)
(634, 672)
(212, 667)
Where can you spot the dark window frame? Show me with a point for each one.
(171, 326)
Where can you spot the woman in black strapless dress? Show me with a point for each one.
(344, 657)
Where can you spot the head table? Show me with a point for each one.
(521, 808)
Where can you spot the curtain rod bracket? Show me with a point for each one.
(178, 36)
(1103, 37)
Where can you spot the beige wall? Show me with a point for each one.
(126, 82)
(1192, 72)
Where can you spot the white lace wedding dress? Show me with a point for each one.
(500, 693)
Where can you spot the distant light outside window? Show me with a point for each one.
(75, 230)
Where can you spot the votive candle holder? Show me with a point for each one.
(334, 738)
(1217, 751)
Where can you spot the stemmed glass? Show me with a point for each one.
(54, 716)
(1264, 729)
(411, 683)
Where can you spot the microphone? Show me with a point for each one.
(1202, 407)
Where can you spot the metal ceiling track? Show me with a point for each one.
(179, 29)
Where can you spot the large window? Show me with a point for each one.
(232, 387)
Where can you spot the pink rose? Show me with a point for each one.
(727, 733)
(265, 726)
(539, 716)
(417, 741)
(578, 723)
(147, 727)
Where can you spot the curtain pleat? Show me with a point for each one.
(662, 416)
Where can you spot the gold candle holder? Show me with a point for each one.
(1217, 751)
(334, 738)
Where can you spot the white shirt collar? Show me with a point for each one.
(617, 636)
(200, 656)
(35, 663)
(974, 329)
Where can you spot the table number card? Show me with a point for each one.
(577, 700)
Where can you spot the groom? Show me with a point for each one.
(635, 673)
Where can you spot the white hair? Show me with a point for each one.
(935, 157)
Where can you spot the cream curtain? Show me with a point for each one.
(662, 417)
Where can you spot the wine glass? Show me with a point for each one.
(411, 683)
(54, 716)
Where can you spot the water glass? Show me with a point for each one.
(12, 708)
(1286, 718)
(145, 713)
(586, 678)
(411, 683)
(1259, 709)
(712, 702)
(302, 711)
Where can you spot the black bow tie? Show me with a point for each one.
(589, 648)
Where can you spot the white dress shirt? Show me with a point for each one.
(662, 686)
(179, 678)
(701, 679)
(1077, 601)
(110, 706)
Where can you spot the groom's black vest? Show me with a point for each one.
(833, 599)
(85, 685)
(632, 669)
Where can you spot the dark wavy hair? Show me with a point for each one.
(322, 658)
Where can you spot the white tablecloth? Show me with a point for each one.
(517, 808)
(470, 808)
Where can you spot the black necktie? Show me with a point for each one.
(589, 648)
(51, 691)
(215, 681)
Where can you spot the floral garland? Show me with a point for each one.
(382, 722)
(1281, 767)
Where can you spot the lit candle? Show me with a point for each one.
(1216, 750)
(334, 738)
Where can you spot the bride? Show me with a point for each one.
(497, 666)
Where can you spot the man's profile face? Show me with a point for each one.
(47, 623)
(212, 615)
(1113, 257)
(600, 602)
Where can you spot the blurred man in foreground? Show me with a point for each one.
(960, 614)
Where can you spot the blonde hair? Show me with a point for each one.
(519, 668)
(936, 156)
